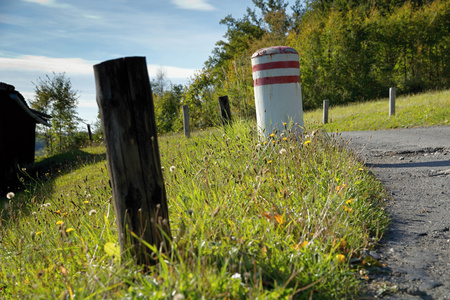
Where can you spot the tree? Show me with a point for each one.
(160, 82)
(56, 97)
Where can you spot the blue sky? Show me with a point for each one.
(39, 37)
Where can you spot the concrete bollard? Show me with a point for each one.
(278, 96)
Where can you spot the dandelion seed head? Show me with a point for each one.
(92, 212)
(172, 168)
(282, 151)
(10, 195)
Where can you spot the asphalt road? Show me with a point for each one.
(414, 167)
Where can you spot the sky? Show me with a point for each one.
(39, 37)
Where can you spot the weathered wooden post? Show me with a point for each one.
(125, 100)
(391, 102)
(187, 129)
(89, 131)
(225, 111)
(325, 111)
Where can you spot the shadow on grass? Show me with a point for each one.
(38, 180)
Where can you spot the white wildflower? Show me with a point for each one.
(92, 212)
(172, 168)
(10, 195)
(236, 276)
(283, 151)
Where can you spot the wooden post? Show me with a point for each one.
(391, 102)
(89, 131)
(225, 111)
(325, 111)
(187, 130)
(125, 101)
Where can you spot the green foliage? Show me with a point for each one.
(355, 53)
(350, 51)
(167, 108)
(56, 97)
(253, 218)
(202, 101)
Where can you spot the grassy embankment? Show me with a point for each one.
(427, 109)
(266, 219)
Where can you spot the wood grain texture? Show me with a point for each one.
(125, 101)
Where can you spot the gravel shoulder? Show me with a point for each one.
(414, 167)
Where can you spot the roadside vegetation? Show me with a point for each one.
(251, 218)
(425, 109)
(277, 218)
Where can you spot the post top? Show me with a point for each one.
(274, 50)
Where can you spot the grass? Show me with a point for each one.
(276, 218)
(269, 219)
(427, 109)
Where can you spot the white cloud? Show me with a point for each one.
(48, 64)
(50, 3)
(194, 4)
(43, 2)
(171, 72)
(74, 66)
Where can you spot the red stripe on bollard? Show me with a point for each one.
(276, 65)
(276, 80)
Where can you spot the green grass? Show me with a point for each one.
(427, 109)
(250, 219)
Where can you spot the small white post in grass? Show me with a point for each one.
(278, 96)
(391, 101)
(325, 111)
(187, 130)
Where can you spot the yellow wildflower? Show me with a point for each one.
(306, 143)
(69, 230)
(59, 223)
(340, 258)
(349, 201)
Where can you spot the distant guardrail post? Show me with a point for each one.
(89, 132)
(325, 111)
(225, 111)
(187, 129)
(125, 100)
(391, 102)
